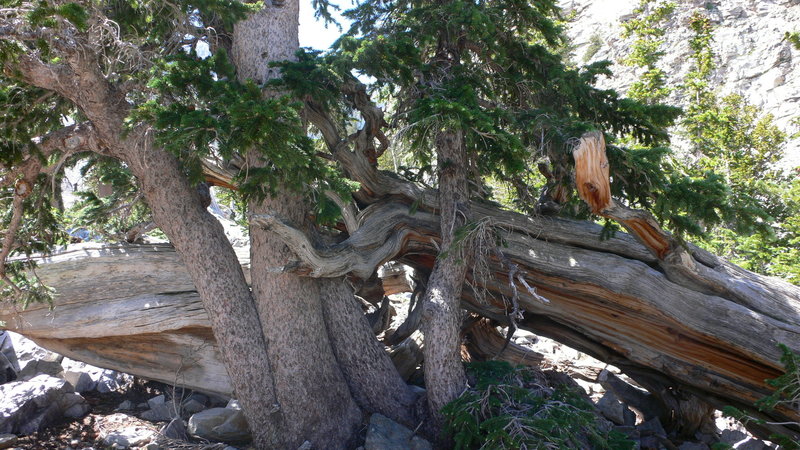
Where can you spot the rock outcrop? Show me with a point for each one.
(752, 57)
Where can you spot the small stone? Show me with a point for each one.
(127, 437)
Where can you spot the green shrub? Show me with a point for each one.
(512, 407)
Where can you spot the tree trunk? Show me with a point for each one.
(319, 345)
(220, 282)
(177, 210)
(442, 315)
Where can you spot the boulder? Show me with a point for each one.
(74, 405)
(385, 434)
(9, 366)
(41, 366)
(26, 351)
(220, 424)
(611, 408)
(81, 381)
(156, 401)
(30, 406)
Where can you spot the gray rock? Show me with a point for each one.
(385, 434)
(127, 405)
(74, 406)
(611, 408)
(752, 444)
(732, 436)
(160, 413)
(123, 431)
(652, 434)
(155, 401)
(111, 380)
(38, 367)
(198, 397)
(176, 429)
(192, 406)
(28, 351)
(128, 437)
(30, 406)
(81, 381)
(7, 440)
(220, 424)
(652, 427)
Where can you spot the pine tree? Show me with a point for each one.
(477, 90)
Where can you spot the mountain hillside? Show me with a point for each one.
(752, 57)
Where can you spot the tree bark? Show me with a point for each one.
(373, 379)
(178, 212)
(442, 315)
(606, 298)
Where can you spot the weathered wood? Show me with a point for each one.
(126, 307)
(609, 298)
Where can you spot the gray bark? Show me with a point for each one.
(442, 315)
(177, 211)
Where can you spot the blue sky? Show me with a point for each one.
(313, 33)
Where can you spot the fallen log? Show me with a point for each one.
(614, 299)
(131, 308)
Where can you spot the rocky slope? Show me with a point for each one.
(752, 58)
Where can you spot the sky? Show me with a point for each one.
(312, 32)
